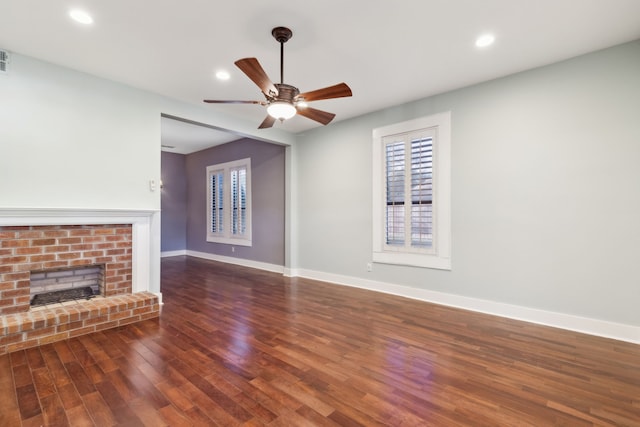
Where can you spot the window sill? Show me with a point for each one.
(230, 241)
(412, 260)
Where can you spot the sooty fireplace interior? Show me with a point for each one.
(66, 284)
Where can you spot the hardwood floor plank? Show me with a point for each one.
(9, 410)
(117, 404)
(343, 420)
(43, 382)
(130, 381)
(218, 396)
(69, 396)
(98, 409)
(241, 347)
(94, 373)
(257, 409)
(64, 351)
(264, 407)
(58, 373)
(96, 349)
(122, 383)
(53, 412)
(79, 377)
(35, 421)
(34, 358)
(175, 396)
(292, 419)
(79, 417)
(198, 418)
(175, 418)
(350, 405)
(147, 413)
(28, 401)
(284, 399)
(18, 358)
(305, 395)
(21, 375)
(207, 405)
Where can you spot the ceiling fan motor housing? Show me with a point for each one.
(286, 93)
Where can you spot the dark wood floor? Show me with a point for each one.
(237, 346)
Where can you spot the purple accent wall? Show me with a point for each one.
(173, 202)
(267, 199)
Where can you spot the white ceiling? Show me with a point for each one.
(388, 52)
(184, 137)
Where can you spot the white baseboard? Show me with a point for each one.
(238, 261)
(290, 272)
(173, 253)
(159, 295)
(617, 331)
(602, 328)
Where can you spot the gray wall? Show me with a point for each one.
(173, 202)
(545, 190)
(268, 199)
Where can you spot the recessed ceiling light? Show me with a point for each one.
(485, 40)
(81, 16)
(223, 75)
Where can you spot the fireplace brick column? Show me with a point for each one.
(30, 248)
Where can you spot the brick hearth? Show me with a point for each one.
(61, 321)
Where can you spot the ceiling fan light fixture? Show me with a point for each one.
(281, 110)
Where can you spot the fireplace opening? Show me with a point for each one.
(66, 284)
(63, 295)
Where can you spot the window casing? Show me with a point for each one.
(229, 203)
(411, 197)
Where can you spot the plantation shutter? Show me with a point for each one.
(239, 201)
(217, 202)
(421, 192)
(395, 177)
(409, 190)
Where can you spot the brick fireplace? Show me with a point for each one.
(28, 249)
(37, 248)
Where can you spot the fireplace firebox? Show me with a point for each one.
(68, 284)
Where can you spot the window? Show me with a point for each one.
(411, 193)
(229, 203)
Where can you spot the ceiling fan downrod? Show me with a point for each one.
(282, 35)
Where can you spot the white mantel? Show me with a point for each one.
(140, 220)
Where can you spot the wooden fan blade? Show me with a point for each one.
(317, 115)
(252, 68)
(267, 122)
(218, 101)
(336, 91)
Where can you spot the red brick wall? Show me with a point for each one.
(28, 248)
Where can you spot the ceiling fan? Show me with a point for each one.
(284, 101)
